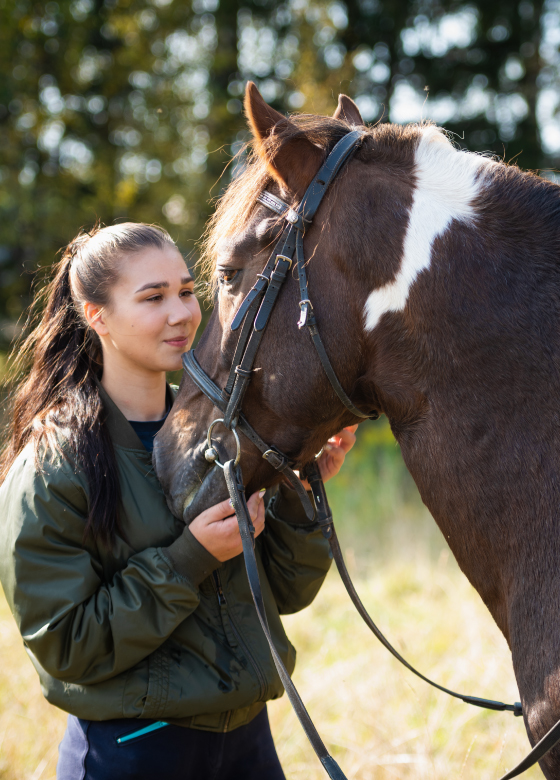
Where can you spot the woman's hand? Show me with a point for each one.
(217, 530)
(333, 455)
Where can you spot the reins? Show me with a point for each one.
(252, 317)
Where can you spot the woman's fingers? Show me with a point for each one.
(336, 449)
(331, 462)
(346, 438)
(255, 505)
(218, 531)
(217, 512)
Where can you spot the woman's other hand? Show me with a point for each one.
(332, 457)
(217, 530)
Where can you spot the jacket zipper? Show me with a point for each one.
(222, 602)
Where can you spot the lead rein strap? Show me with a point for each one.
(236, 488)
(539, 751)
(325, 521)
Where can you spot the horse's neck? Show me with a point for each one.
(474, 404)
(469, 375)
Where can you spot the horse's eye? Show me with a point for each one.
(227, 275)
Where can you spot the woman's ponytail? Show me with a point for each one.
(58, 406)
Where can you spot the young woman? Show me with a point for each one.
(141, 628)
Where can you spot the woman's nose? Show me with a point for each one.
(179, 313)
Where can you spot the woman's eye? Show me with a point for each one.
(227, 275)
(154, 298)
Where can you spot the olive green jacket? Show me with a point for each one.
(119, 633)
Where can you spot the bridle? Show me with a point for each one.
(252, 317)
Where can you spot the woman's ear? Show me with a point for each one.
(94, 317)
(290, 157)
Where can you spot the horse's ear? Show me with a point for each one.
(290, 157)
(348, 111)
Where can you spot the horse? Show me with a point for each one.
(435, 279)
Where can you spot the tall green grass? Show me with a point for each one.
(380, 722)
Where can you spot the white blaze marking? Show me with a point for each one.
(447, 182)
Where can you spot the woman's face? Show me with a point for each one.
(152, 316)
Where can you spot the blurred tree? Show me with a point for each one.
(478, 62)
(485, 71)
(130, 109)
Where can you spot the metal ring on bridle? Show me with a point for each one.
(211, 454)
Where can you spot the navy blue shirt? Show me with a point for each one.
(146, 431)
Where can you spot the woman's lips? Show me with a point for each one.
(179, 342)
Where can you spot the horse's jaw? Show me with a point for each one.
(200, 495)
(191, 484)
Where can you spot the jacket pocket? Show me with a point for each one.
(158, 684)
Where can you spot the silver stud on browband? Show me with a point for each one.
(292, 216)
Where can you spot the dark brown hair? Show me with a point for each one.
(60, 393)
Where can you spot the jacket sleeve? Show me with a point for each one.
(81, 628)
(295, 554)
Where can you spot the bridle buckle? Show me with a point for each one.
(276, 460)
(287, 259)
(306, 308)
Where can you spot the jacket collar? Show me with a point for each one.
(120, 430)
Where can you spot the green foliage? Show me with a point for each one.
(374, 494)
(478, 62)
(105, 113)
(131, 109)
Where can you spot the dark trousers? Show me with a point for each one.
(89, 751)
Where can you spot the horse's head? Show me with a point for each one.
(290, 401)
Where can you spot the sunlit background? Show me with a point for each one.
(132, 109)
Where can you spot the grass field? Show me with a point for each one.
(380, 722)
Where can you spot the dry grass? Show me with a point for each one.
(379, 721)
(30, 729)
